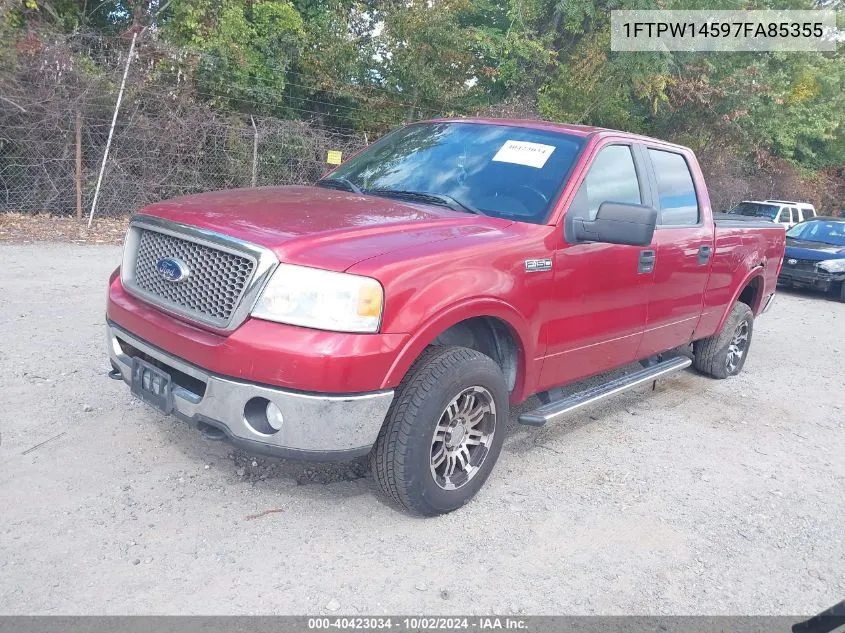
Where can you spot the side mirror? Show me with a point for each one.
(618, 223)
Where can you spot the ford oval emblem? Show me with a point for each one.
(792, 262)
(173, 269)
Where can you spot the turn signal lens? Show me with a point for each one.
(369, 301)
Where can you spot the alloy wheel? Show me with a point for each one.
(463, 437)
(737, 347)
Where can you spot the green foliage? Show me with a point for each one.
(511, 55)
(369, 64)
(241, 50)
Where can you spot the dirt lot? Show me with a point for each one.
(717, 497)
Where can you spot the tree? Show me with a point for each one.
(239, 51)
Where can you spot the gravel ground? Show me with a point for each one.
(702, 497)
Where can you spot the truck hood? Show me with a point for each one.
(812, 251)
(323, 228)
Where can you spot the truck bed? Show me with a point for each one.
(745, 221)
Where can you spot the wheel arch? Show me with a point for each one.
(749, 292)
(491, 327)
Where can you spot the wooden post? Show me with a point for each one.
(78, 166)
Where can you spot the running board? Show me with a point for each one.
(558, 408)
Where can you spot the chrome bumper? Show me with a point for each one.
(315, 427)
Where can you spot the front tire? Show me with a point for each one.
(724, 354)
(444, 431)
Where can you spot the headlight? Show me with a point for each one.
(321, 299)
(832, 265)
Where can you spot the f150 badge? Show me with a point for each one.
(173, 269)
(538, 265)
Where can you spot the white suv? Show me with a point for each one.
(805, 209)
(781, 212)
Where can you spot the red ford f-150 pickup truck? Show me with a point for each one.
(453, 268)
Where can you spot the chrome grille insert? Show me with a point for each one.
(214, 285)
(224, 275)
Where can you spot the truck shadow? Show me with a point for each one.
(241, 466)
(618, 409)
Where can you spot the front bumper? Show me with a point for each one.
(264, 352)
(319, 427)
(810, 279)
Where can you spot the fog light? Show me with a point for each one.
(274, 416)
(262, 416)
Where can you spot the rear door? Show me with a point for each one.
(683, 242)
(788, 217)
(600, 291)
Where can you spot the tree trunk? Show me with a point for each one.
(412, 108)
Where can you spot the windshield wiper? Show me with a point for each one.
(339, 182)
(442, 199)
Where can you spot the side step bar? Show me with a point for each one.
(558, 408)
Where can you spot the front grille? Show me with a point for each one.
(211, 291)
(802, 265)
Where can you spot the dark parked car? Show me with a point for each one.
(815, 256)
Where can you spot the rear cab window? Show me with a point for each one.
(677, 198)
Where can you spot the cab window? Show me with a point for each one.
(611, 178)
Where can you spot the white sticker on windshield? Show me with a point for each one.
(524, 153)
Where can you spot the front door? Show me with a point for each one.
(600, 291)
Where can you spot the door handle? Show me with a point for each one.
(704, 255)
(646, 263)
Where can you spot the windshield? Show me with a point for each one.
(498, 170)
(757, 209)
(819, 231)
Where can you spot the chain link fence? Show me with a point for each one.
(56, 111)
(57, 102)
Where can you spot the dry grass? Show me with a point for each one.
(27, 227)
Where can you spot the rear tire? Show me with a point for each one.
(841, 295)
(724, 354)
(444, 431)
